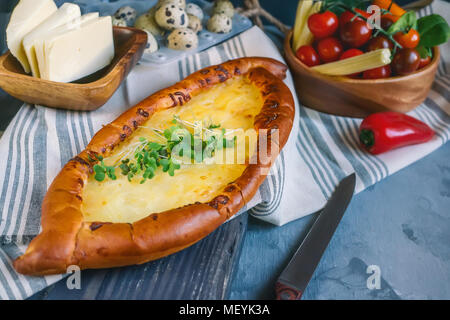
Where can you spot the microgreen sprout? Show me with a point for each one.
(142, 158)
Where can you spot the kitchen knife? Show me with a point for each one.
(295, 277)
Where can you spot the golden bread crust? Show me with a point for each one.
(68, 240)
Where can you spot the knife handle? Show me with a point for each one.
(285, 292)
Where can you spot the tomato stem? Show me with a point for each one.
(390, 6)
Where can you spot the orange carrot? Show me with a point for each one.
(390, 17)
(390, 5)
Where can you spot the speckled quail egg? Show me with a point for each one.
(194, 10)
(195, 24)
(127, 13)
(152, 44)
(219, 23)
(225, 7)
(182, 39)
(147, 22)
(118, 22)
(180, 3)
(170, 16)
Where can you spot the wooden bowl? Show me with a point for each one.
(349, 97)
(88, 93)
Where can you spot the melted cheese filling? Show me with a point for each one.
(232, 104)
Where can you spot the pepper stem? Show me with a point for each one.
(367, 138)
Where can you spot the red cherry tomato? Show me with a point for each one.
(424, 62)
(329, 49)
(323, 25)
(388, 20)
(308, 55)
(406, 61)
(351, 53)
(385, 23)
(356, 33)
(379, 42)
(378, 73)
(408, 40)
(347, 16)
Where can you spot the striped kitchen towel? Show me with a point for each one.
(321, 150)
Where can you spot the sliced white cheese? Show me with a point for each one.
(25, 17)
(54, 33)
(66, 13)
(79, 52)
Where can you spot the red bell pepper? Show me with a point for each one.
(384, 131)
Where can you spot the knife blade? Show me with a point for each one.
(295, 277)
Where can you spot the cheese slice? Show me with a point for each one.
(27, 15)
(232, 104)
(80, 51)
(66, 13)
(39, 45)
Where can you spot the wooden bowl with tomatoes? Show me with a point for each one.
(357, 95)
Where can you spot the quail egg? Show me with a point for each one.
(180, 3)
(194, 10)
(219, 23)
(195, 24)
(152, 44)
(182, 39)
(126, 13)
(225, 7)
(118, 22)
(170, 16)
(147, 22)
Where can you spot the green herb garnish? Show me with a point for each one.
(404, 23)
(178, 142)
(213, 126)
(101, 171)
(433, 30)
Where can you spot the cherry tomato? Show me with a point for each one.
(406, 61)
(351, 53)
(308, 55)
(345, 17)
(385, 23)
(356, 33)
(408, 40)
(378, 73)
(323, 25)
(424, 62)
(348, 16)
(329, 49)
(379, 42)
